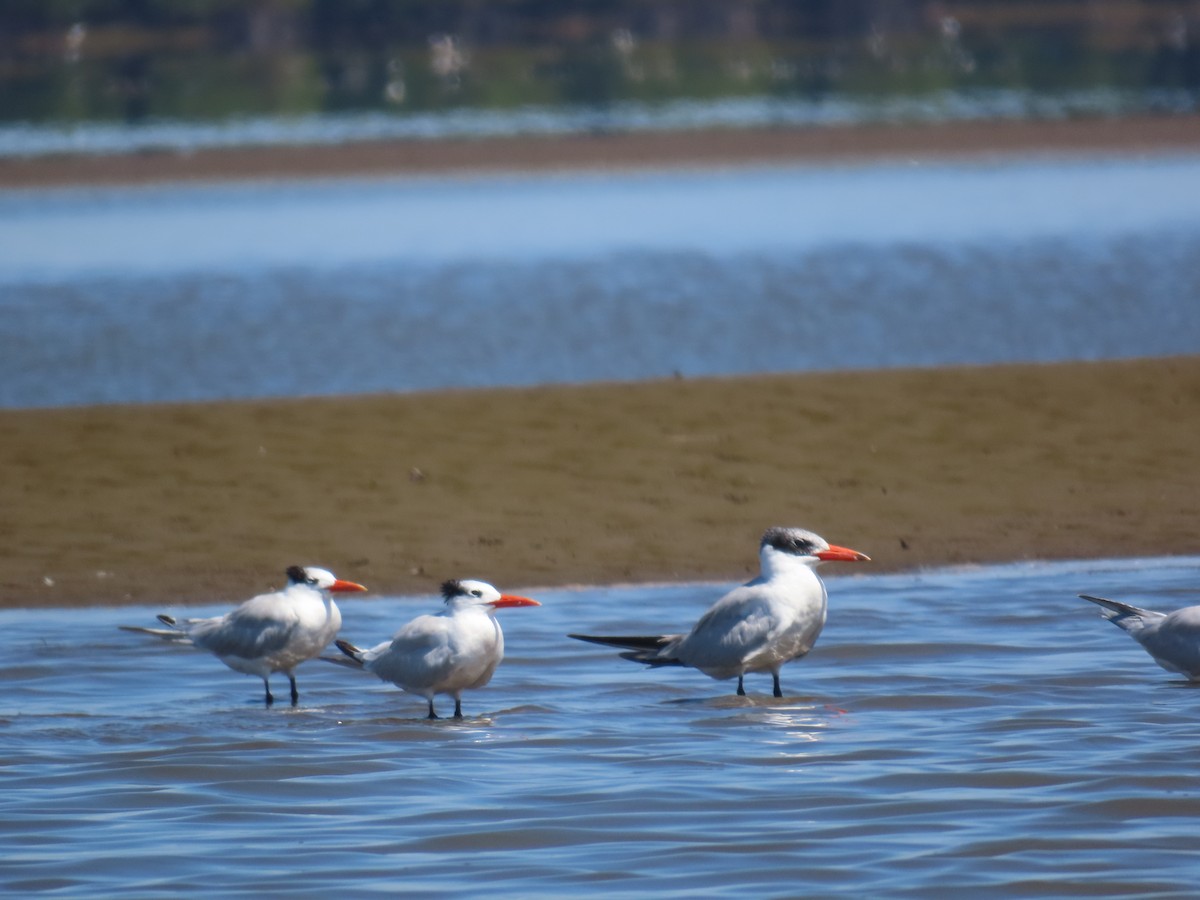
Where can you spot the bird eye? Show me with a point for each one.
(476, 593)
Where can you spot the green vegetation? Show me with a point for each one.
(131, 60)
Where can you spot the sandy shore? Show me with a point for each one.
(1145, 134)
(671, 480)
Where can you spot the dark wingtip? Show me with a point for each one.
(590, 638)
(348, 648)
(631, 642)
(165, 619)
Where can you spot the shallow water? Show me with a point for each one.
(302, 288)
(966, 730)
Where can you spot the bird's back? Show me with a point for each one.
(277, 631)
(440, 653)
(757, 626)
(1174, 641)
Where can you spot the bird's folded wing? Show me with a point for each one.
(245, 636)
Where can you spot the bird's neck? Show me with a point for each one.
(333, 615)
(468, 609)
(785, 566)
(326, 598)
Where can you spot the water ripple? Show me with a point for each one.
(196, 293)
(989, 745)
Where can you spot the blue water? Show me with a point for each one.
(298, 288)
(955, 732)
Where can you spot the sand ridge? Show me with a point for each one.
(656, 481)
(1146, 134)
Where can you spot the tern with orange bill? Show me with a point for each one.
(271, 632)
(454, 650)
(758, 626)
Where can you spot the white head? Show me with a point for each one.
(782, 546)
(465, 593)
(321, 579)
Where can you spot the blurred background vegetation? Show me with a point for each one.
(137, 60)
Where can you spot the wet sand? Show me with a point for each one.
(670, 480)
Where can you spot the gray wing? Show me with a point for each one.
(243, 633)
(419, 654)
(1125, 616)
(734, 628)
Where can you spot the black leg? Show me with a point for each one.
(741, 687)
(432, 714)
(778, 690)
(295, 693)
(457, 708)
(267, 687)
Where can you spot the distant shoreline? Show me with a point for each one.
(851, 143)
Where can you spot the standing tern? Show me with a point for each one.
(758, 626)
(271, 632)
(446, 653)
(1173, 639)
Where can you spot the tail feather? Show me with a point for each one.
(1123, 615)
(172, 633)
(355, 655)
(643, 649)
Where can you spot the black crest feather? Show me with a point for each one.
(451, 589)
(297, 575)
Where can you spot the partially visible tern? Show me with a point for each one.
(758, 626)
(449, 652)
(1173, 639)
(271, 632)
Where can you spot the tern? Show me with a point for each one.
(758, 626)
(1173, 639)
(271, 632)
(449, 652)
